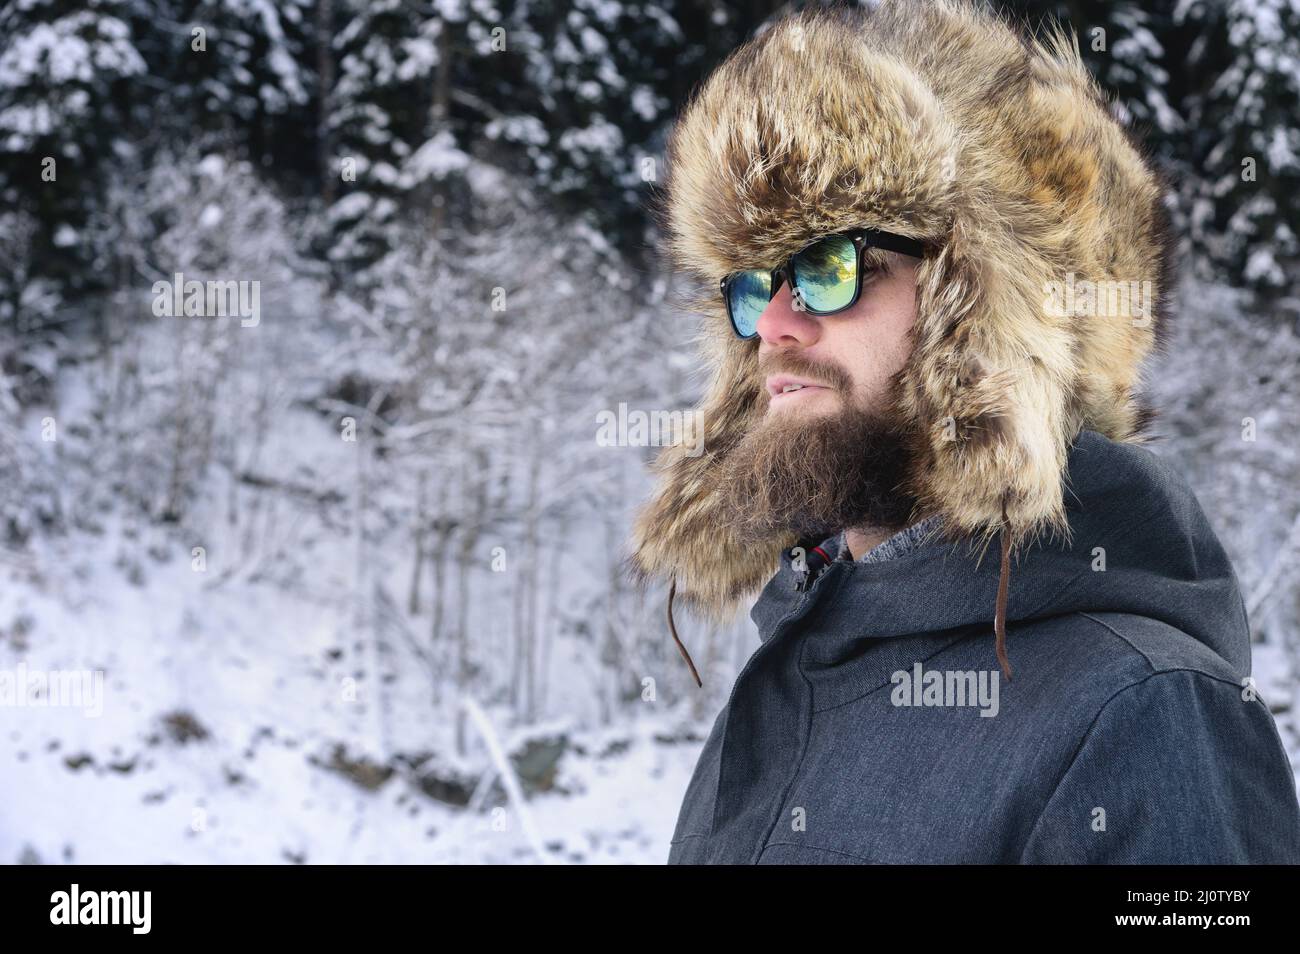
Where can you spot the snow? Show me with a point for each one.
(438, 158)
(258, 669)
(247, 662)
(599, 137)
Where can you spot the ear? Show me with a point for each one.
(987, 388)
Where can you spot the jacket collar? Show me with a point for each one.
(1139, 543)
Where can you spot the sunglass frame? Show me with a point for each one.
(862, 239)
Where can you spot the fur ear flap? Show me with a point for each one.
(988, 386)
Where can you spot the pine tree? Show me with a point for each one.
(1248, 197)
(397, 121)
(233, 76)
(592, 76)
(63, 71)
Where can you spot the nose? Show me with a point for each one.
(783, 325)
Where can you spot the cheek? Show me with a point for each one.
(886, 334)
(898, 313)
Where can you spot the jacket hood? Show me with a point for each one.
(1139, 543)
(939, 122)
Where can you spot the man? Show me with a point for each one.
(886, 208)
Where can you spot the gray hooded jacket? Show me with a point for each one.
(872, 724)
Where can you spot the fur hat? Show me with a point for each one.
(938, 121)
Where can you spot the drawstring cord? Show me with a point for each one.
(1000, 609)
(672, 627)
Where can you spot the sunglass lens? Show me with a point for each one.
(748, 294)
(826, 273)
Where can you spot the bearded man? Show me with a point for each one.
(901, 411)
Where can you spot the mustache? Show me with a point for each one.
(786, 362)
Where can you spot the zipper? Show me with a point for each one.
(809, 591)
(815, 563)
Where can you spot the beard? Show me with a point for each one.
(815, 475)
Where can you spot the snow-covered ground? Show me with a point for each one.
(219, 716)
(240, 721)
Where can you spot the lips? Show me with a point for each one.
(780, 385)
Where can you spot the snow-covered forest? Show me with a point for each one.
(340, 530)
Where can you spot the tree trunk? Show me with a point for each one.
(420, 533)
(325, 86)
(439, 114)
